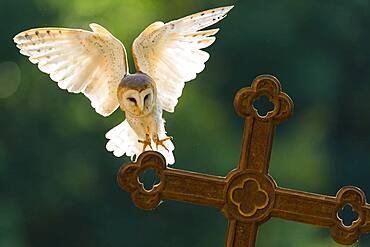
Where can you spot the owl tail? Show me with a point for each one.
(122, 140)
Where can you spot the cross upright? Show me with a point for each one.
(248, 196)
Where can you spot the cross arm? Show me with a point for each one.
(174, 184)
(323, 211)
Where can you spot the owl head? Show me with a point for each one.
(137, 94)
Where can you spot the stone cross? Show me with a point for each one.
(248, 196)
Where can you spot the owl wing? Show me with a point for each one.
(171, 53)
(79, 61)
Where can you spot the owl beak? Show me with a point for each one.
(141, 107)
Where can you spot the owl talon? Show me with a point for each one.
(160, 142)
(146, 142)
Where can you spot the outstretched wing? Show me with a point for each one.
(79, 61)
(171, 53)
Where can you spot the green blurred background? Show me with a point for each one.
(58, 183)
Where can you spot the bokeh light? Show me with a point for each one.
(10, 78)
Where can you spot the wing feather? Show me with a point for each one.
(92, 63)
(171, 53)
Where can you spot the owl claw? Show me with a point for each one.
(160, 142)
(146, 142)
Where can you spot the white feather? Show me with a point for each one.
(79, 61)
(170, 53)
(124, 141)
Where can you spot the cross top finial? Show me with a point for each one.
(248, 195)
(264, 85)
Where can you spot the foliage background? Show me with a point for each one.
(57, 182)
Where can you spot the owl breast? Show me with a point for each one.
(148, 124)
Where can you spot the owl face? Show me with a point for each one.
(136, 94)
(137, 103)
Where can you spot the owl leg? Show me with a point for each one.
(159, 142)
(146, 142)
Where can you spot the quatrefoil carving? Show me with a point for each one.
(249, 197)
(128, 179)
(356, 198)
(269, 86)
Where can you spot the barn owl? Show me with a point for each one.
(166, 55)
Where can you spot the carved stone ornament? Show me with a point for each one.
(248, 196)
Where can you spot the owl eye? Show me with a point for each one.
(133, 100)
(146, 97)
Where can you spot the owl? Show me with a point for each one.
(166, 55)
